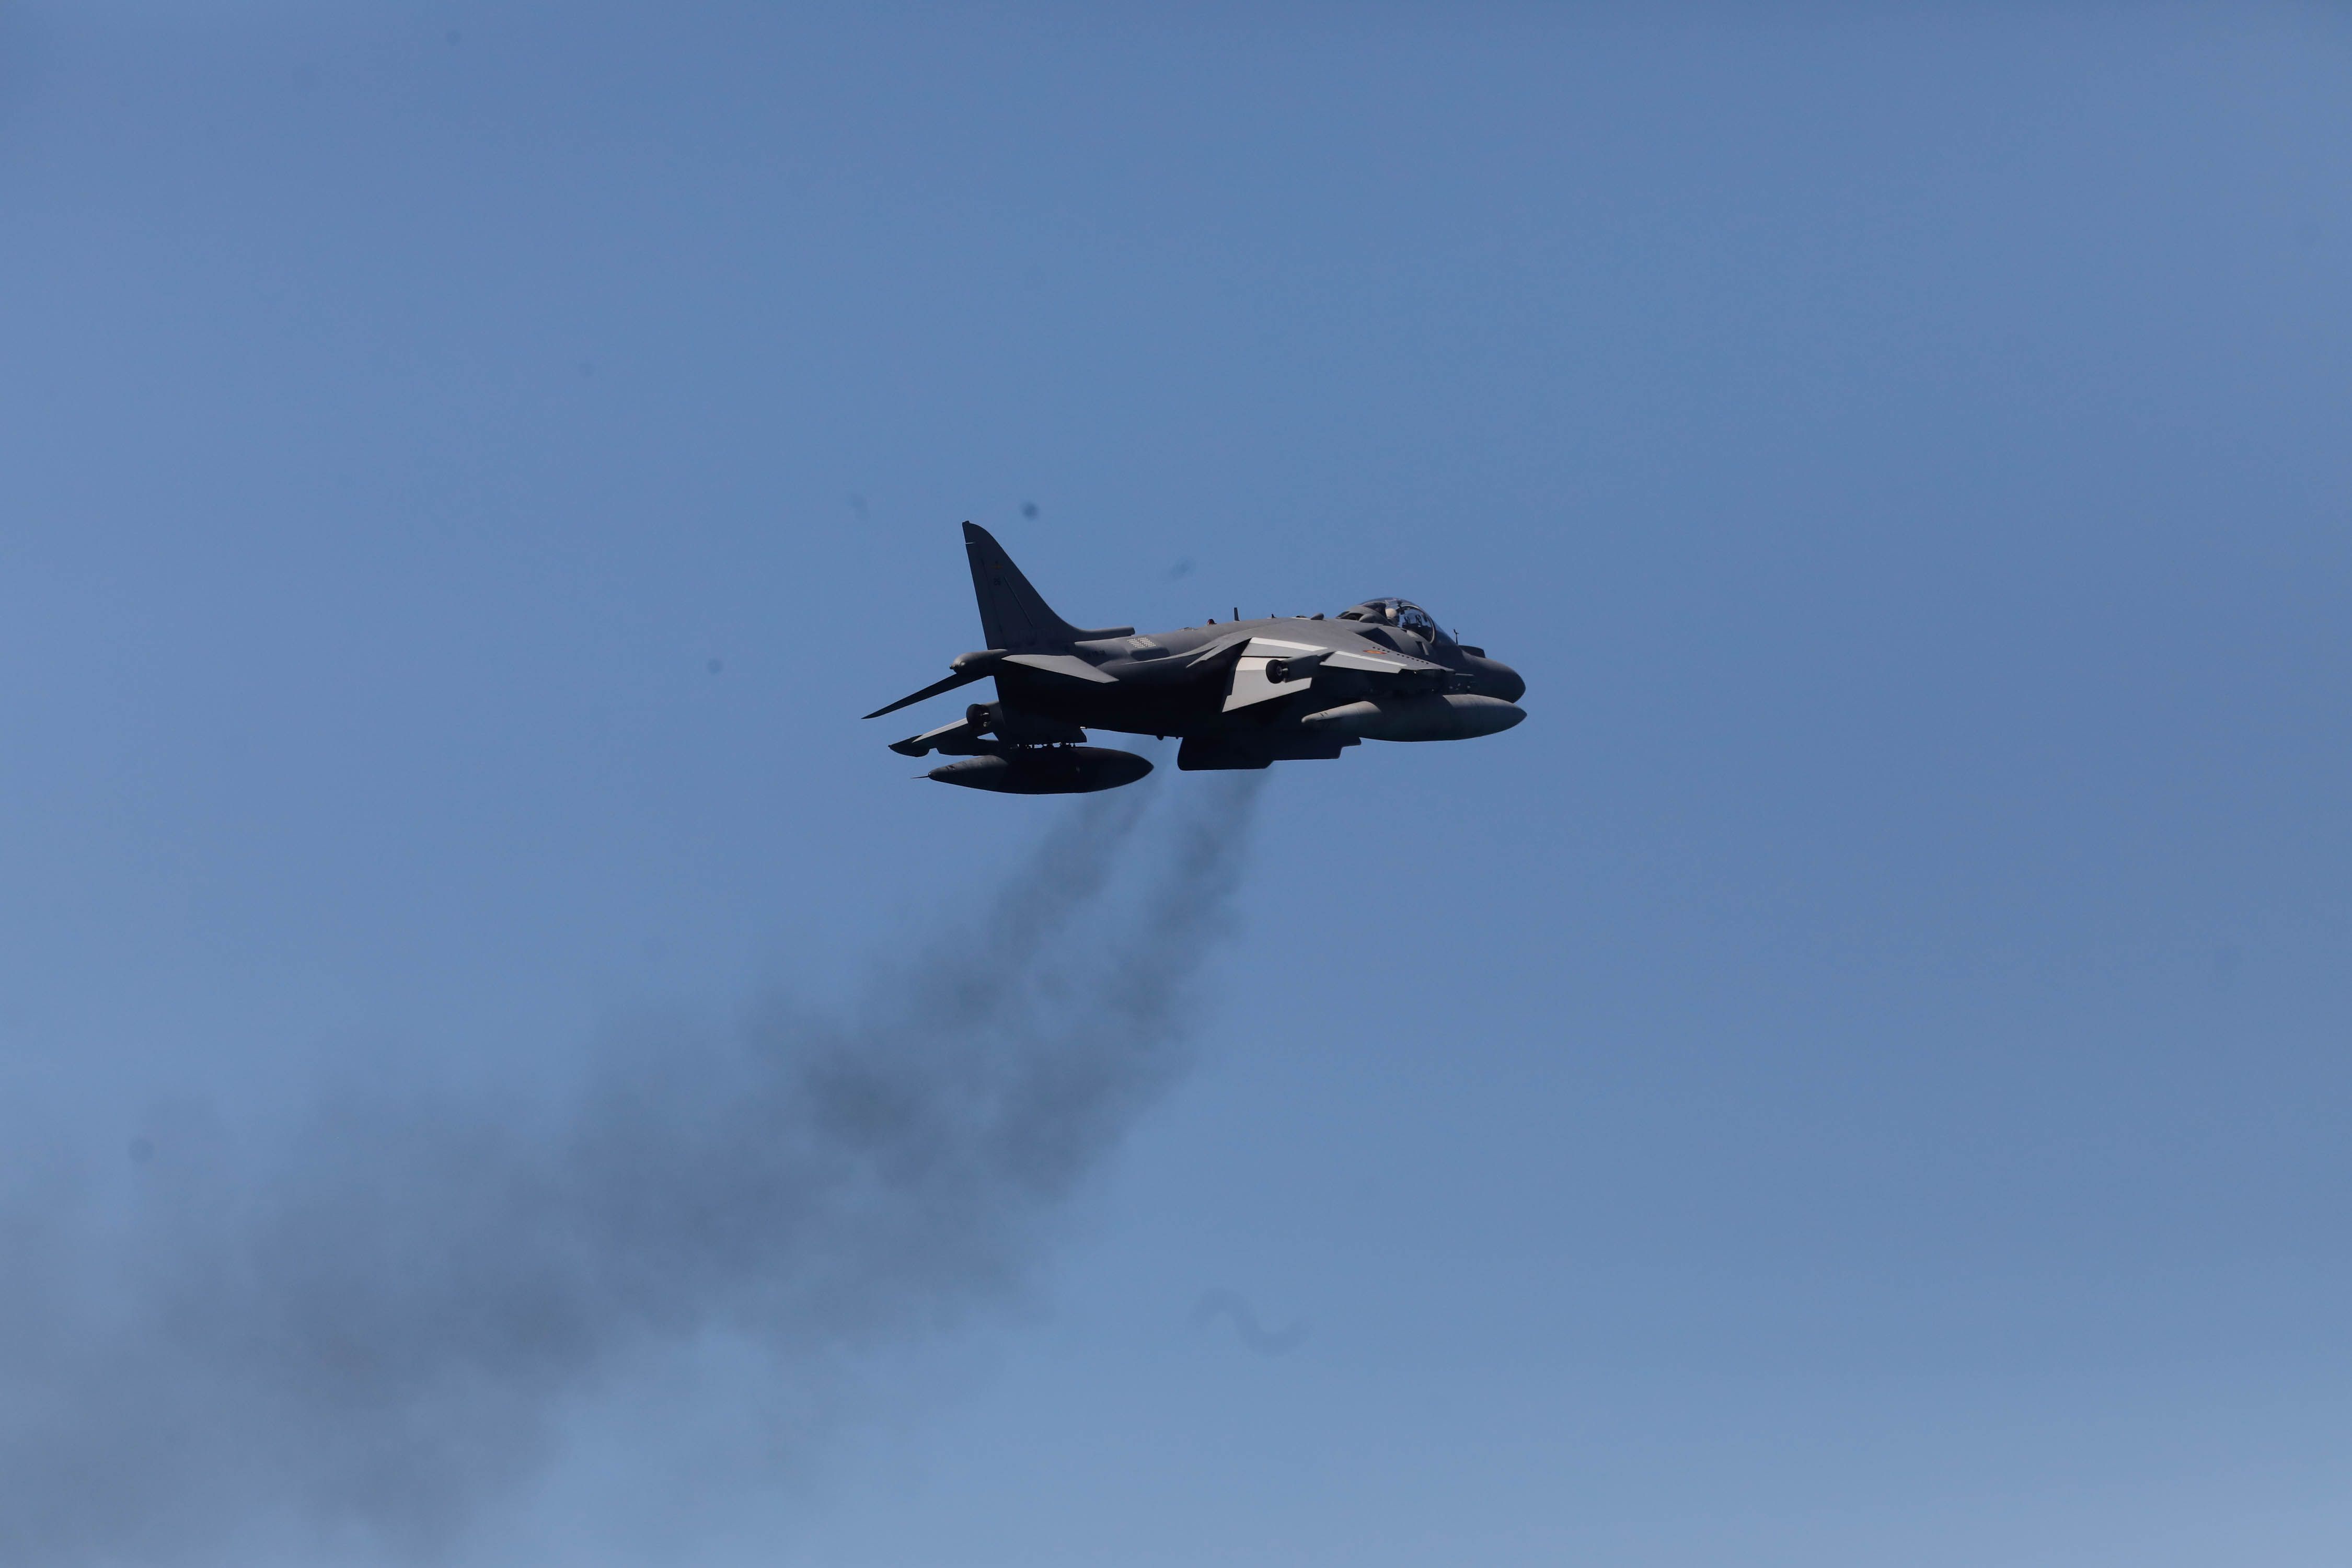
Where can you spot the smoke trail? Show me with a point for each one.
(375, 1335)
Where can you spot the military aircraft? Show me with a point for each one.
(1245, 694)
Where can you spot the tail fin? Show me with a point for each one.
(1012, 616)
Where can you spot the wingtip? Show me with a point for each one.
(960, 678)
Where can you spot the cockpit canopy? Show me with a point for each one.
(1401, 614)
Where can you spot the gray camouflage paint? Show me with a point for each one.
(1243, 695)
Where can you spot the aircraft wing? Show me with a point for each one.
(1381, 661)
(1269, 668)
(1223, 647)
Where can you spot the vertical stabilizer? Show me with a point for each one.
(1012, 616)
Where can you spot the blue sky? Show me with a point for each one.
(1859, 1076)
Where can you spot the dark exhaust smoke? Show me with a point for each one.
(368, 1340)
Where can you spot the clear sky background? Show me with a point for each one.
(1860, 1076)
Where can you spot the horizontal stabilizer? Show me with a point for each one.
(960, 678)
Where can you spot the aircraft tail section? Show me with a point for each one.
(1012, 613)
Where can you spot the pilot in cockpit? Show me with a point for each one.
(1412, 617)
(1401, 614)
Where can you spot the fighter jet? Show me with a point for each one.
(1243, 695)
